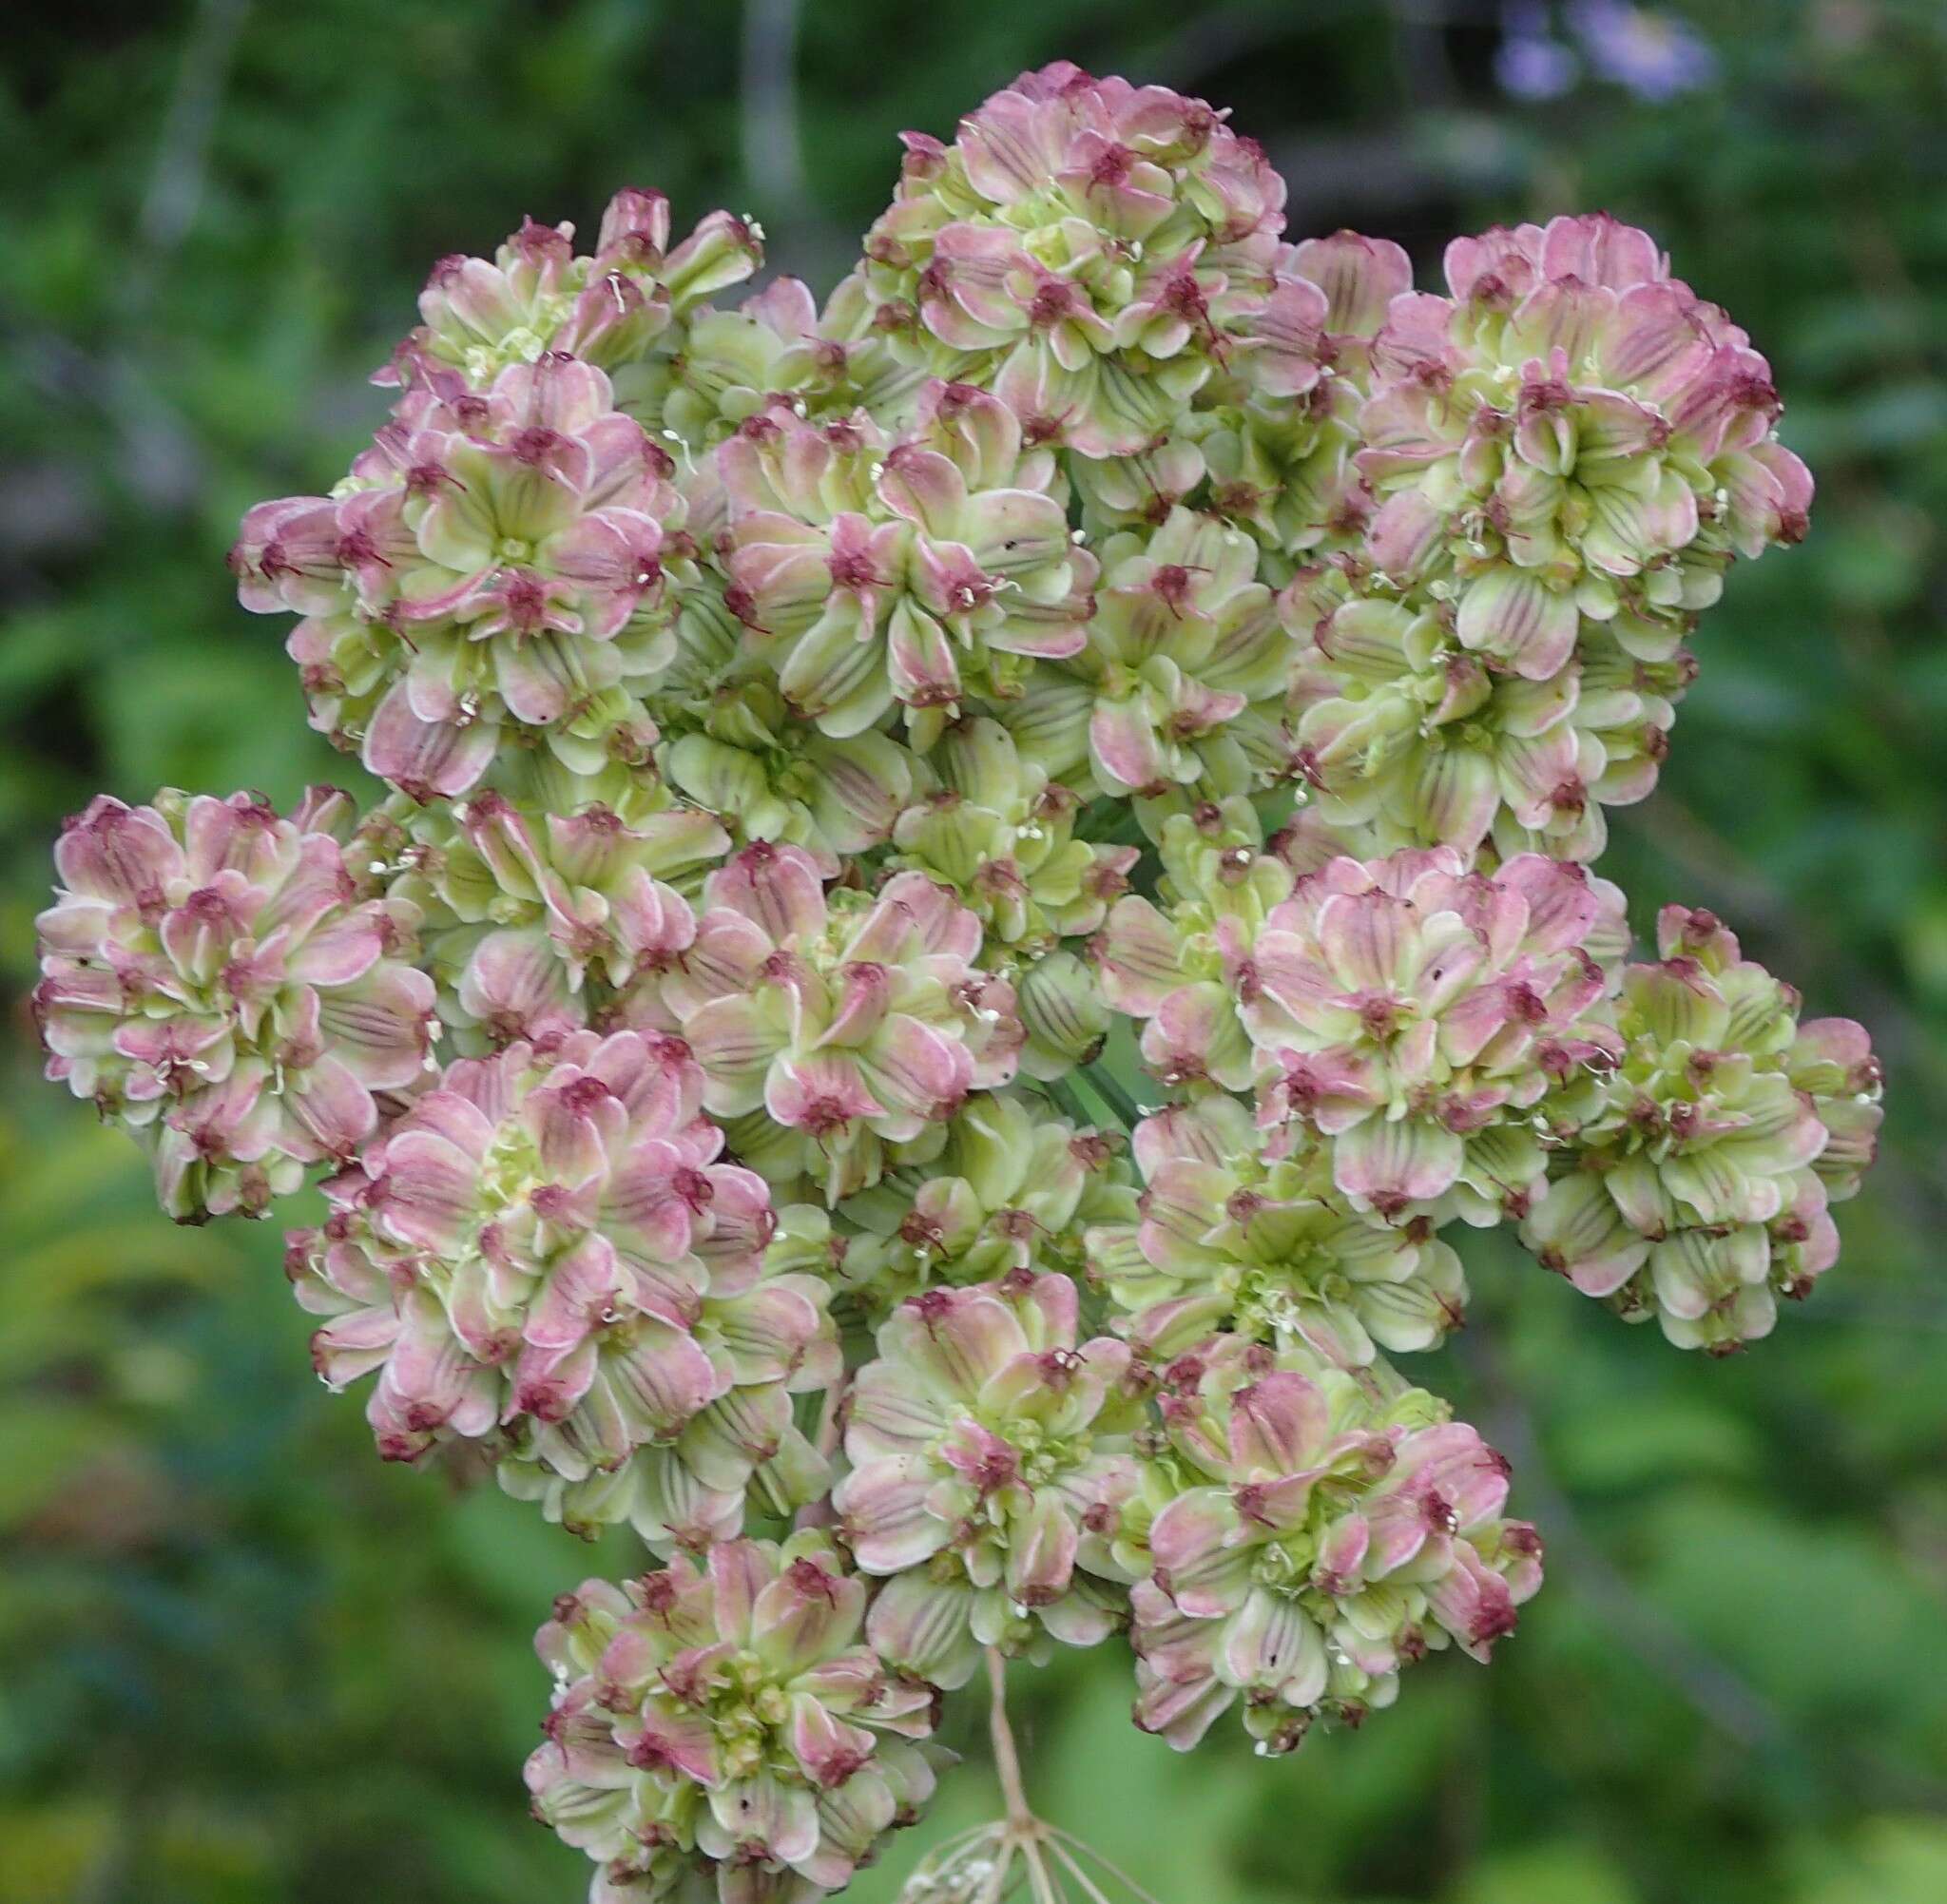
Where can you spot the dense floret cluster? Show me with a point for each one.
(968, 886)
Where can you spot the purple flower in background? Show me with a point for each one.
(1652, 52)
(1532, 62)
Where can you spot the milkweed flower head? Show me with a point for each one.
(720, 1729)
(211, 980)
(547, 1254)
(1088, 249)
(1321, 1537)
(1695, 1174)
(973, 877)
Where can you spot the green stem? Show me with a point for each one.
(1007, 1760)
(1066, 1100)
(1113, 1096)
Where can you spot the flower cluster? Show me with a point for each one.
(1416, 1011)
(1268, 1250)
(1089, 250)
(1184, 669)
(839, 1022)
(212, 981)
(1000, 832)
(546, 1253)
(1321, 1537)
(721, 1721)
(1695, 1171)
(989, 1454)
(1010, 1189)
(971, 880)
(925, 570)
(1563, 457)
(540, 911)
(496, 561)
(629, 306)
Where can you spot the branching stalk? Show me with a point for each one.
(1007, 1759)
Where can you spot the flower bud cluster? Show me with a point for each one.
(1694, 1172)
(212, 980)
(720, 1731)
(1322, 1533)
(995, 864)
(547, 1255)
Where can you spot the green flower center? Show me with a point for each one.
(510, 1172)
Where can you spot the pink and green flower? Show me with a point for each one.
(212, 980)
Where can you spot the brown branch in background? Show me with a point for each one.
(182, 167)
(771, 145)
(772, 157)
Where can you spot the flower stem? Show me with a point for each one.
(1068, 1100)
(1007, 1760)
(825, 1440)
(1113, 1096)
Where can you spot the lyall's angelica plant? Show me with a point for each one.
(813, 739)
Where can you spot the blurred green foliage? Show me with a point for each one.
(241, 1663)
